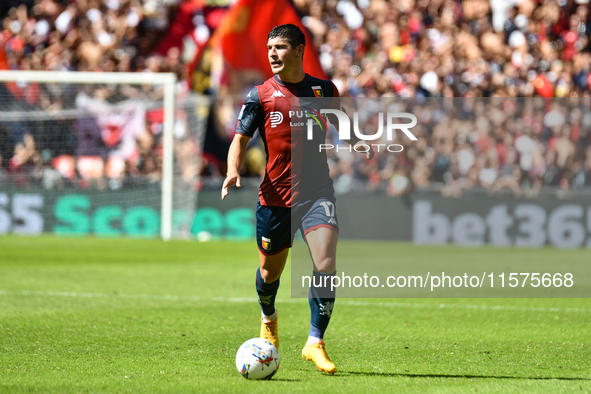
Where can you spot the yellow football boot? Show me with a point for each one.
(270, 332)
(317, 353)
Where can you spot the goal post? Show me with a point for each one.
(166, 80)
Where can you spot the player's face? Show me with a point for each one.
(282, 57)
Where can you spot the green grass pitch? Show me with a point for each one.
(88, 315)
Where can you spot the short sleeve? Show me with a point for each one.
(335, 91)
(250, 115)
(336, 101)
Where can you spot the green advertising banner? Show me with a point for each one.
(424, 218)
(114, 213)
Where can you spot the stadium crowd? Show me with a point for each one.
(96, 36)
(472, 50)
(87, 35)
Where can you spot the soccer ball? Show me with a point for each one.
(257, 358)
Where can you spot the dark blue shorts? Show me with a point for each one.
(276, 226)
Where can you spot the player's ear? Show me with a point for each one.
(300, 50)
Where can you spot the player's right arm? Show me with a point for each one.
(249, 120)
(235, 159)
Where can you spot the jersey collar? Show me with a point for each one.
(279, 81)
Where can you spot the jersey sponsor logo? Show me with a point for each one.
(241, 112)
(266, 243)
(277, 93)
(317, 91)
(276, 118)
(308, 113)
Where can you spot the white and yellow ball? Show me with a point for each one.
(257, 358)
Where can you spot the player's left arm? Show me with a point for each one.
(369, 152)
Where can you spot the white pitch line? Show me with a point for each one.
(288, 301)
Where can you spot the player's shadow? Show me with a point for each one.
(410, 375)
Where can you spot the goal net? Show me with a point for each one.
(105, 154)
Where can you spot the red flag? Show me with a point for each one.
(242, 35)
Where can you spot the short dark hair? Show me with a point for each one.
(291, 33)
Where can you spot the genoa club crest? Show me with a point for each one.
(317, 91)
(266, 243)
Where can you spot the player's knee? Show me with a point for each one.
(326, 265)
